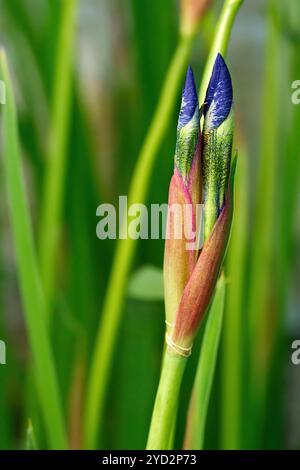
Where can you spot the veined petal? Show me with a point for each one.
(218, 100)
(217, 142)
(189, 100)
(188, 127)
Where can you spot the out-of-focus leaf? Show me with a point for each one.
(147, 284)
(29, 280)
(232, 359)
(30, 437)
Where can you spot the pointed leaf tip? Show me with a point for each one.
(189, 101)
(218, 100)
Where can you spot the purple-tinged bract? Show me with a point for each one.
(189, 102)
(218, 100)
(188, 128)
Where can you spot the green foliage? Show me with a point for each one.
(30, 437)
(30, 283)
(90, 114)
(146, 284)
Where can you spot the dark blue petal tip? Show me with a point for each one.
(219, 92)
(189, 102)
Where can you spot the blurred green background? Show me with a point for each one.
(122, 49)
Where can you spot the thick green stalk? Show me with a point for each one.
(55, 168)
(220, 42)
(165, 407)
(111, 314)
(198, 408)
(32, 295)
(231, 424)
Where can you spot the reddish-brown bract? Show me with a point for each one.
(199, 289)
(179, 262)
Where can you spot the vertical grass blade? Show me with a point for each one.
(5, 421)
(55, 169)
(262, 295)
(220, 41)
(30, 285)
(197, 412)
(232, 338)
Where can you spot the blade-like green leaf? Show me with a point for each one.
(55, 172)
(263, 296)
(232, 335)
(30, 285)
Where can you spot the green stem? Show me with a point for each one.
(55, 169)
(29, 279)
(165, 407)
(111, 314)
(221, 40)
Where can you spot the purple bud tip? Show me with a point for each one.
(189, 101)
(219, 93)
